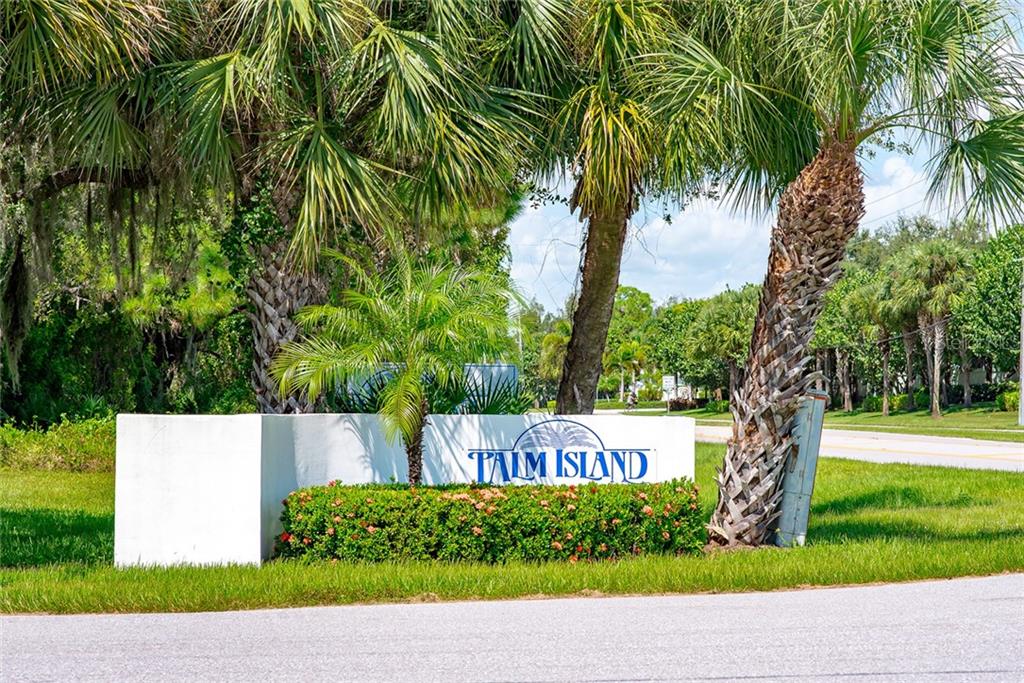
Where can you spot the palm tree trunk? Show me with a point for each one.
(622, 385)
(818, 213)
(606, 237)
(276, 292)
(886, 350)
(928, 343)
(939, 334)
(908, 360)
(819, 368)
(843, 369)
(414, 448)
(734, 380)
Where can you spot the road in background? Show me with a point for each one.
(914, 449)
(960, 629)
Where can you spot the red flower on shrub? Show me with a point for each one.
(477, 531)
(337, 519)
(556, 545)
(666, 535)
(306, 541)
(372, 529)
(330, 531)
(285, 537)
(648, 510)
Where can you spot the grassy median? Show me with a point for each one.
(980, 422)
(869, 523)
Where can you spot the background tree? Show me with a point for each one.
(879, 322)
(420, 321)
(989, 310)
(318, 118)
(721, 331)
(837, 75)
(933, 277)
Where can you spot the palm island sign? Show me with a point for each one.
(207, 489)
(562, 450)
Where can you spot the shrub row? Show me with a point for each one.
(615, 404)
(79, 446)
(1008, 401)
(1003, 393)
(388, 522)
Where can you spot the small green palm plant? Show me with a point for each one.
(415, 323)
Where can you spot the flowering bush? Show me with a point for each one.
(382, 522)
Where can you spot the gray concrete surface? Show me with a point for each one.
(915, 449)
(963, 629)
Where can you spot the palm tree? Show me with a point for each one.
(828, 79)
(320, 118)
(579, 58)
(552, 351)
(933, 275)
(721, 331)
(418, 323)
(879, 322)
(347, 110)
(630, 356)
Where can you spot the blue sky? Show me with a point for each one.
(704, 249)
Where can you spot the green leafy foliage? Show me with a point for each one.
(78, 446)
(989, 311)
(379, 523)
(1009, 400)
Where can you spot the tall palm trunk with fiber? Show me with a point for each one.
(843, 370)
(965, 371)
(924, 323)
(938, 349)
(606, 237)
(276, 291)
(818, 213)
(886, 351)
(908, 361)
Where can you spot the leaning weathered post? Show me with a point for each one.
(798, 482)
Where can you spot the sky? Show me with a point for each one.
(703, 250)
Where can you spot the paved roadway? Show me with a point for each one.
(909, 448)
(962, 629)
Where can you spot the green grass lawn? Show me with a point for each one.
(869, 523)
(982, 422)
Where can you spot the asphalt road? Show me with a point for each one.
(963, 629)
(914, 449)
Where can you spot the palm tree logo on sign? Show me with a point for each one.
(561, 451)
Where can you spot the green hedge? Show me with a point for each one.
(80, 446)
(387, 522)
(614, 404)
(1008, 401)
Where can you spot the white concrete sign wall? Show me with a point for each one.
(204, 489)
